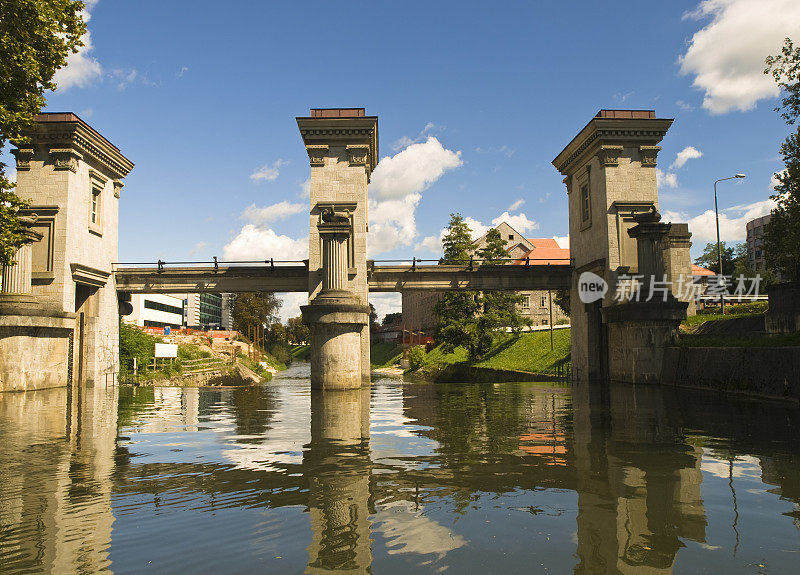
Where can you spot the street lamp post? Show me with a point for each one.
(719, 248)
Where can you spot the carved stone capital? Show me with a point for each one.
(609, 155)
(118, 185)
(65, 159)
(24, 157)
(358, 154)
(648, 155)
(317, 154)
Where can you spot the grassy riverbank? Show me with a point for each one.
(527, 352)
(742, 326)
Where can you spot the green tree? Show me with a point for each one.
(782, 234)
(456, 311)
(391, 318)
(710, 259)
(36, 36)
(373, 319)
(561, 299)
(457, 243)
(499, 307)
(253, 309)
(298, 331)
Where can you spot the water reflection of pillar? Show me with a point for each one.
(55, 480)
(338, 468)
(638, 482)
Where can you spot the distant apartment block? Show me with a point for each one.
(205, 311)
(755, 242)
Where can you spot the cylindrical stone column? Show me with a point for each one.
(17, 278)
(334, 262)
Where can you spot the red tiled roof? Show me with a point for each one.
(544, 243)
(700, 271)
(545, 256)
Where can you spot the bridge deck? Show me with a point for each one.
(294, 278)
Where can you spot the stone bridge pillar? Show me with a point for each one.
(342, 146)
(610, 176)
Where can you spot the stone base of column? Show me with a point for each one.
(18, 303)
(638, 333)
(337, 319)
(34, 349)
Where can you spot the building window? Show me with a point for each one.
(526, 302)
(158, 306)
(94, 208)
(544, 301)
(511, 236)
(544, 322)
(585, 203)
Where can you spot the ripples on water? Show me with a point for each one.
(506, 478)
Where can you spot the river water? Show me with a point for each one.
(402, 478)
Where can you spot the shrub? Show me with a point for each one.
(416, 356)
(281, 352)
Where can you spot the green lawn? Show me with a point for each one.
(732, 311)
(526, 352)
(778, 340)
(300, 352)
(385, 354)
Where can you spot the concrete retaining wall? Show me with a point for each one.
(758, 371)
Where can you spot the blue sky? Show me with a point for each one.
(475, 99)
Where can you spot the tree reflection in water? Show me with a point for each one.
(401, 478)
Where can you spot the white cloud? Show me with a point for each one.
(291, 305)
(305, 189)
(519, 222)
(504, 150)
(562, 241)
(478, 229)
(774, 179)
(732, 221)
(198, 247)
(412, 170)
(726, 57)
(516, 205)
(253, 243)
(392, 223)
(386, 303)
(182, 71)
(686, 154)
(81, 68)
(430, 129)
(267, 173)
(666, 179)
(279, 211)
(396, 189)
(123, 78)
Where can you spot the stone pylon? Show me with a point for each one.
(342, 146)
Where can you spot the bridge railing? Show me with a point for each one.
(214, 262)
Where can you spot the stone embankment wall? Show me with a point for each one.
(758, 371)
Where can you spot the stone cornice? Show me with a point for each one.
(640, 132)
(89, 275)
(353, 131)
(74, 134)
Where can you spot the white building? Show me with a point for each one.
(156, 310)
